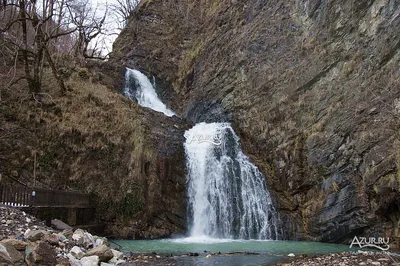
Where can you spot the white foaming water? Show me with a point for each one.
(138, 86)
(200, 240)
(227, 194)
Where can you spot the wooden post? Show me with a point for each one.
(34, 169)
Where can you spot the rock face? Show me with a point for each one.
(312, 88)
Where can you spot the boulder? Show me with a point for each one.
(73, 261)
(103, 252)
(83, 238)
(117, 255)
(60, 225)
(77, 252)
(78, 234)
(90, 261)
(100, 241)
(9, 255)
(40, 254)
(35, 235)
(52, 239)
(67, 233)
(16, 243)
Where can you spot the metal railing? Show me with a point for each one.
(20, 196)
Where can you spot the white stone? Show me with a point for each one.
(73, 261)
(90, 261)
(99, 241)
(291, 255)
(77, 252)
(383, 259)
(106, 264)
(117, 254)
(78, 234)
(34, 235)
(4, 253)
(26, 232)
(83, 238)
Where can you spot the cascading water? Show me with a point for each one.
(139, 87)
(227, 194)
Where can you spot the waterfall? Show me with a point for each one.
(227, 194)
(139, 87)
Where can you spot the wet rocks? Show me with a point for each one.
(346, 258)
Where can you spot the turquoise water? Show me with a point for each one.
(185, 245)
(268, 252)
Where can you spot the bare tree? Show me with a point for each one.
(31, 29)
(39, 29)
(90, 25)
(123, 9)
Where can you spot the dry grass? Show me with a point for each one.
(91, 139)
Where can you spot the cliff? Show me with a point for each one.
(312, 88)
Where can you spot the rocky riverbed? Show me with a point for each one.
(346, 259)
(25, 240)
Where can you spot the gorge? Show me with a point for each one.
(305, 93)
(310, 88)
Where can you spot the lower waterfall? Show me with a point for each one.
(227, 194)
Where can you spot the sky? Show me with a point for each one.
(112, 30)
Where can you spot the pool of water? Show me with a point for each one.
(268, 252)
(181, 246)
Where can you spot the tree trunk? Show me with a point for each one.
(55, 72)
(33, 84)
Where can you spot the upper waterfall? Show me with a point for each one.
(227, 194)
(138, 86)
